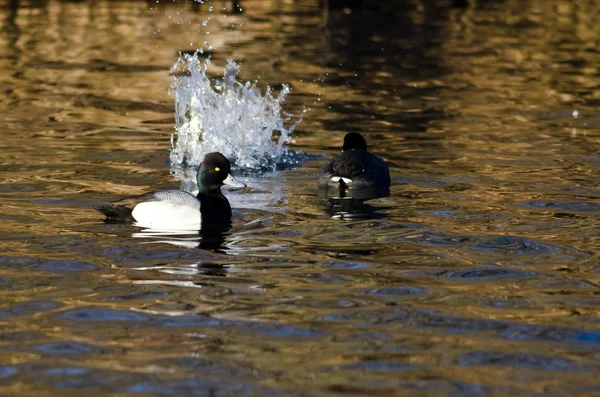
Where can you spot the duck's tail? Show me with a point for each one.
(115, 212)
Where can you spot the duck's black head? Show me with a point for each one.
(213, 173)
(354, 140)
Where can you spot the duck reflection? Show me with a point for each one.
(350, 203)
(191, 269)
(210, 239)
(212, 269)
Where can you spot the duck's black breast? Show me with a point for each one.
(363, 168)
(215, 211)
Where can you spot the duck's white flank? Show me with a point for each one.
(336, 179)
(167, 216)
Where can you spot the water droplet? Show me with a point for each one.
(210, 9)
(204, 23)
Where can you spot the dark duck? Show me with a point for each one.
(355, 168)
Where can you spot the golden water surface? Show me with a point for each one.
(478, 276)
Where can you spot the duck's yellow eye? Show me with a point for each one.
(217, 169)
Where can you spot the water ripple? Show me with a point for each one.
(513, 331)
(29, 307)
(493, 273)
(195, 387)
(70, 348)
(563, 206)
(378, 366)
(519, 360)
(216, 368)
(345, 265)
(66, 371)
(447, 240)
(510, 245)
(6, 372)
(68, 266)
(101, 315)
(393, 291)
(48, 265)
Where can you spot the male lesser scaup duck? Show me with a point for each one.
(180, 210)
(355, 167)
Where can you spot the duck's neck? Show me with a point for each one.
(204, 194)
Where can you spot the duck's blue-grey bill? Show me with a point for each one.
(231, 181)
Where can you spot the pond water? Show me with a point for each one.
(479, 274)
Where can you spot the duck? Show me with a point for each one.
(355, 168)
(175, 209)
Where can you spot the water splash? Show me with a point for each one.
(229, 117)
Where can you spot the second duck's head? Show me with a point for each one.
(213, 173)
(354, 140)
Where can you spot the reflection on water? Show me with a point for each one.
(207, 239)
(350, 207)
(351, 202)
(477, 275)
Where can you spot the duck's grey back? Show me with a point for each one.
(173, 196)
